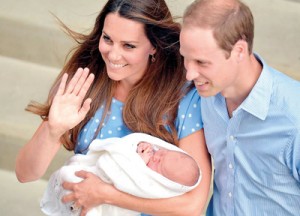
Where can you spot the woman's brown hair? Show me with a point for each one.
(152, 103)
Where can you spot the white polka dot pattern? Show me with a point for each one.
(188, 121)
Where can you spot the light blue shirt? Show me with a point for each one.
(256, 153)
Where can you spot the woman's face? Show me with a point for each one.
(125, 48)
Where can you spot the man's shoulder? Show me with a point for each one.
(286, 96)
(285, 87)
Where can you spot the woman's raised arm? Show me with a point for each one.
(65, 113)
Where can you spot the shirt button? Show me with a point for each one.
(230, 194)
(231, 138)
(230, 166)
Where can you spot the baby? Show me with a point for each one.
(174, 165)
(121, 161)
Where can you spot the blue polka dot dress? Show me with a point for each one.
(187, 122)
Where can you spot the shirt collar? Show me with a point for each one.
(258, 101)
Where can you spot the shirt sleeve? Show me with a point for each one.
(295, 157)
(189, 118)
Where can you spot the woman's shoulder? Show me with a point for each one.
(190, 94)
(190, 102)
(189, 119)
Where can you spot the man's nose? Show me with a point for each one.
(191, 72)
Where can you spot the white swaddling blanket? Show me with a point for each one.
(115, 161)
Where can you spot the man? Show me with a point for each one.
(250, 112)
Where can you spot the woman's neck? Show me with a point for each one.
(122, 91)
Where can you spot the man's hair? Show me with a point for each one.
(230, 20)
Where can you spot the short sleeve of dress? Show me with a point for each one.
(189, 118)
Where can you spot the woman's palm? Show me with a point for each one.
(69, 107)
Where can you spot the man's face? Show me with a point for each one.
(206, 63)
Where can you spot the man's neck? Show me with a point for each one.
(250, 72)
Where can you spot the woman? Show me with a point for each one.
(136, 84)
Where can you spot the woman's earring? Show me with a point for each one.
(153, 59)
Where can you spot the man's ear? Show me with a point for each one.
(240, 50)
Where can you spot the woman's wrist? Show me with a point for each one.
(109, 193)
(53, 133)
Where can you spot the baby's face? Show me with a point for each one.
(165, 162)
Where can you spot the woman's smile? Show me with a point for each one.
(116, 66)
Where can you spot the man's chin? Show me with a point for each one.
(204, 93)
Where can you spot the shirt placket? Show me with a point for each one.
(231, 143)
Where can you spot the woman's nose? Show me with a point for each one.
(114, 54)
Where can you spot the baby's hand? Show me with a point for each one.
(145, 150)
(144, 146)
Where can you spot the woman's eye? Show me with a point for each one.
(106, 38)
(201, 63)
(129, 46)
